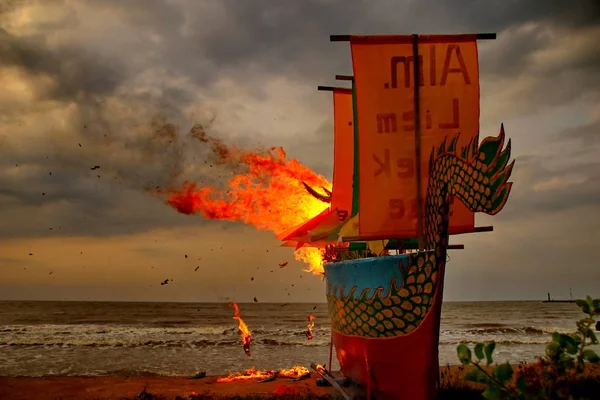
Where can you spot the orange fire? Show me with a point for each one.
(253, 373)
(311, 325)
(244, 331)
(321, 369)
(265, 191)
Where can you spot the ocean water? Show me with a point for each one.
(143, 339)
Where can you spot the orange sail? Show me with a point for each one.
(313, 233)
(343, 151)
(449, 104)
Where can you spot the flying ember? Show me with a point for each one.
(265, 191)
(311, 325)
(244, 331)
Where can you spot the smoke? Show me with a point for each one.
(87, 109)
(79, 119)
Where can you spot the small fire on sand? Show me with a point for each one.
(297, 372)
(311, 325)
(244, 331)
(265, 190)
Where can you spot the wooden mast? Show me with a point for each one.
(417, 112)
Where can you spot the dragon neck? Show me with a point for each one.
(437, 209)
(479, 185)
(450, 176)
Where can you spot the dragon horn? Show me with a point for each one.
(316, 195)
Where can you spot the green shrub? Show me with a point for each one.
(551, 377)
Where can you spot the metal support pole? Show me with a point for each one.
(330, 352)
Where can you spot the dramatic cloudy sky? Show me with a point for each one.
(89, 82)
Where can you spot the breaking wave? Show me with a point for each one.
(130, 337)
(500, 329)
(161, 343)
(91, 336)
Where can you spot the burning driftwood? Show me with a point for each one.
(243, 328)
(320, 369)
(295, 373)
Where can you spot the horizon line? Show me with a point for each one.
(240, 302)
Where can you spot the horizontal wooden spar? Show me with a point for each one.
(326, 88)
(366, 238)
(407, 37)
(333, 89)
(450, 247)
(344, 78)
(477, 229)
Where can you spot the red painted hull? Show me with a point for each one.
(402, 367)
(399, 367)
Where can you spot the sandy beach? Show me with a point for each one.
(88, 388)
(109, 388)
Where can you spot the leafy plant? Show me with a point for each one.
(548, 378)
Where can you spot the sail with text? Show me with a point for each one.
(448, 79)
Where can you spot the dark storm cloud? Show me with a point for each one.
(99, 130)
(75, 71)
(588, 134)
(242, 40)
(498, 15)
(91, 135)
(280, 35)
(568, 188)
(293, 36)
(555, 183)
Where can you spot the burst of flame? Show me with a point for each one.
(293, 372)
(244, 331)
(266, 191)
(311, 256)
(321, 369)
(253, 373)
(311, 325)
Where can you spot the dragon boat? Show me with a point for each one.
(385, 309)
